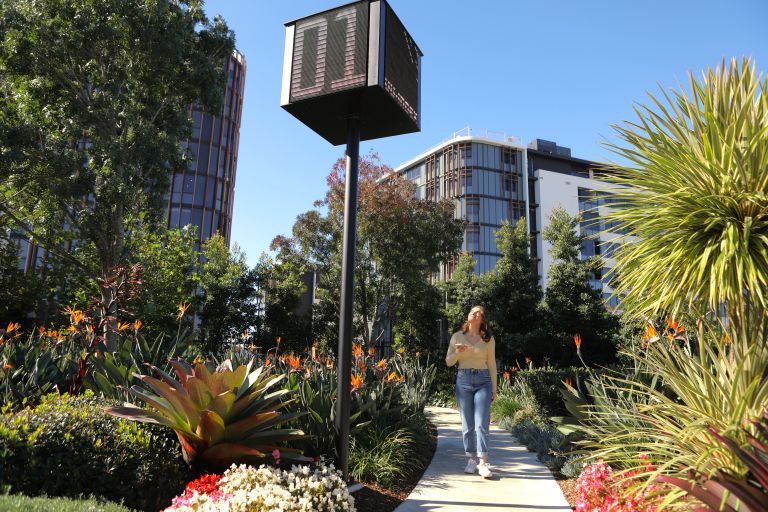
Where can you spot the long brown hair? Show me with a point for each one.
(485, 329)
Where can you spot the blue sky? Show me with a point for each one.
(557, 70)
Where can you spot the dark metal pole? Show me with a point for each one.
(347, 291)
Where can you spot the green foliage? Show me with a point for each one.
(112, 373)
(418, 378)
(463, 290)
(382, 455)
(544, 385)
(728, 492)
(513, 293)
(69, 447)
(683, 387)
(229, 303)
(220, 417)
(169, 277)
(571, 306)
(401, 241)
(34, 365)
(695, 196)
(96, 95)
(17, 503)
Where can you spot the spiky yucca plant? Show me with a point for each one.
(221, 416)
(695, 194)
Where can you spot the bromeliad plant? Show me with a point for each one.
(220, 417)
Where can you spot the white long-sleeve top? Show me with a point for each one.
(480, 355)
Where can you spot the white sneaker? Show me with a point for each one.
(471, 468)
(485, 470)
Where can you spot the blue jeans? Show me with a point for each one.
(473, 393)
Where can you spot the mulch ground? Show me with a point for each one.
(372, 498)
(568, 486)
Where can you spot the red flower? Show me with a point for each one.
(206, 484)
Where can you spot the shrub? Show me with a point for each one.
(17, 503)
(572, 466)
(382, 455)
(69, 447)
(248, 489)
(504, 407)
(545, 384)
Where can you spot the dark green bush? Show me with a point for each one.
(18, 503)
(546, 384)
(68, 446)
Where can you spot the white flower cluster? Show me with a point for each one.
(266, 489)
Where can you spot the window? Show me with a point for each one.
(473, 210)
(473, 238)
(468, 181)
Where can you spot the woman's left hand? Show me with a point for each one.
(493, 396)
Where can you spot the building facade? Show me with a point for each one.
(492, 179)
(204, 194)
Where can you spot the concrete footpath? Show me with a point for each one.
(520, 482)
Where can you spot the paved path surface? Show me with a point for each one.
(520, 482)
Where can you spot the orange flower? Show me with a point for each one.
(393, 377)
(137, 325)
(362, 366)
(244, 335)
(293, 362)
(72, 329)
(650, 334)
(568, 382)
(401, 350)
(89, 328)
(676, 327)
(381, 364)
(76, 317)
(329, 363)
(123, 326)
(7, 366)
(372, 351)
(278, 340)
(577, 341)
(183, 307)
(727, 340)
(315, 355)
(198, 360)
(514, 369)
(267, 362)
(41, 329)
(12, 326)
(357, 350)
(418, 355)
(307, 373)
(528, 360)
(506, 376)
(357, 381)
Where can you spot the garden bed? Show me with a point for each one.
(373, 498)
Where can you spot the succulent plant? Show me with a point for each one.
(221, 416)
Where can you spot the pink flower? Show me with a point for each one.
(276, 455)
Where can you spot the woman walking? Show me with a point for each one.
(474, 349)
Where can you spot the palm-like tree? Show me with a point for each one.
(695, 194)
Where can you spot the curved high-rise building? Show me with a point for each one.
(204, 194)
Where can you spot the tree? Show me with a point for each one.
(401, 242)
(228, 302)
(170, 275)
(513, 292)
(694, 197)
(571, 306)
(285, 286)
(463, 291)
(100, 90)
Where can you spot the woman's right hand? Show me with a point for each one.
(461, 348)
